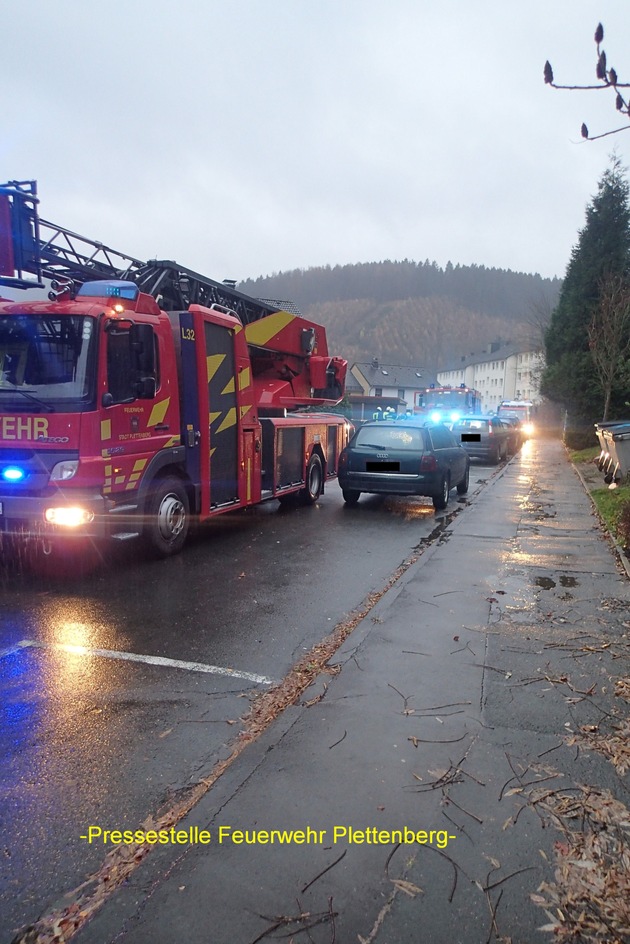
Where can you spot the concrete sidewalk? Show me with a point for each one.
(471, 739)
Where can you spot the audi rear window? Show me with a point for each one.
(390, 437)
(471, 424)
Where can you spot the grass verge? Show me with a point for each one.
(584, 455)
(611, 504)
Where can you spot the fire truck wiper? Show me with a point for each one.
(29, 396)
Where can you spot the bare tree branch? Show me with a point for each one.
(608, 79)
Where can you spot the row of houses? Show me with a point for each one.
(504, 371)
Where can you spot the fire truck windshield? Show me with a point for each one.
(446, 399)
(46, 362)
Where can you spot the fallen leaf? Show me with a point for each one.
(407, 887)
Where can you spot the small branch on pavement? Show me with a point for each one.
(344, 735)
(449, 799)
(323, 872)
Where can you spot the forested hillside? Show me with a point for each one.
(414, 313)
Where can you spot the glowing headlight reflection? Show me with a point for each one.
(69, 517)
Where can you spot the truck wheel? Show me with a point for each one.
(441, 501)
(167, 518)
(351, 496)
(314, 481)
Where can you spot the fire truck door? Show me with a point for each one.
(220, 389)
(190, 407)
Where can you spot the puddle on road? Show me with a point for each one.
(547, 583)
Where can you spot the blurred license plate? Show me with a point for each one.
(382, 466)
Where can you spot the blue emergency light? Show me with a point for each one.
(109, 288)
(12, 473)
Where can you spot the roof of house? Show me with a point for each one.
(352, 384)
(499, 353)
(394, 375)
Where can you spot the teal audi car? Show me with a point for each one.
(403, 457)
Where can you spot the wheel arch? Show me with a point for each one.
(161, 466)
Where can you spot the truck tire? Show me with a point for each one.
(441, 501)
(168, 518)
(314, 480)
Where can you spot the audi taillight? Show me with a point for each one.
(428, 464)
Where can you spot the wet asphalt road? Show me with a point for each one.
(90, 739)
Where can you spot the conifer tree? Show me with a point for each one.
(602, 251)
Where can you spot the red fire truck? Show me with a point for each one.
(141, 395)
(446, 404)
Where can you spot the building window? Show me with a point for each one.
(378, 391)
(401, 394)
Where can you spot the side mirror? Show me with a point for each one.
(142, 342)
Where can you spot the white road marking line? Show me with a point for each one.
(135, 657)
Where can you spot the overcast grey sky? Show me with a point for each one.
(246, 137)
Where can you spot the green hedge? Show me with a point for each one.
(579, 438)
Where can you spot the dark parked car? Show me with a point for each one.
(403, 457)
(517, 434)
(484, 437)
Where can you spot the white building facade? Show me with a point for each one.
(507, 372)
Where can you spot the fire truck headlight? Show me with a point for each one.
(528, 429)
(64, 470)
(69, 517)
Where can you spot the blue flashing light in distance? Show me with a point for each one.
(436, 416)
(455, 416)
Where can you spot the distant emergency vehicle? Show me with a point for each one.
(522, 409)
(447, 404)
